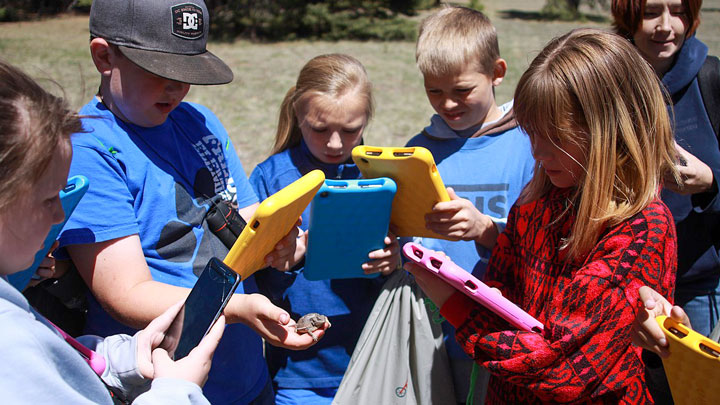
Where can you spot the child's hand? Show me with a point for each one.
(154, 362)
(289, 251)
(458, 219)
(436, 289)
(696, 176)
(646, 333)
(46, 269)
(275, 325)
(49, 267)
(386, 260)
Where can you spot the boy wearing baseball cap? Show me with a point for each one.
(156, 164)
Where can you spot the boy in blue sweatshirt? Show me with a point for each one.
(483, 157)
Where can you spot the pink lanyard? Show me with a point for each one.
(95, 360)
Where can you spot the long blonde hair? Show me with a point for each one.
(592, 88)
(332, 75)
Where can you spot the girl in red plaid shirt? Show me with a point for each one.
(585, 234)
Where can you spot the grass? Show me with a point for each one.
(57, 50)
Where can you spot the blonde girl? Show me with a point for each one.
(587, 231)
(322, 118)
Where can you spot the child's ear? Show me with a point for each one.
(499, 71)
(102, 55)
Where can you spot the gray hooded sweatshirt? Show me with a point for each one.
(37, 366)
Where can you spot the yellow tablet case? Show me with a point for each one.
(693, 367)
(419, 186)
(273, 219)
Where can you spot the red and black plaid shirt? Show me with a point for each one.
(585, 354)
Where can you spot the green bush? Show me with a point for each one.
(275, 20)
(321, 22)
(27, 8)
(568, 10)
(82, 5)
(410, 7)
(17, 10)
(331, 20)
(8, 13)
(476, 5)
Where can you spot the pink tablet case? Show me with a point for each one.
(478, 291)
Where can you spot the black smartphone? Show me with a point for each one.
(202, 308)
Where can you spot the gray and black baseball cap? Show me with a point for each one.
(165, 37)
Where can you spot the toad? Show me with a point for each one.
(311, 322)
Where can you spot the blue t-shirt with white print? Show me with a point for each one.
(156, 182)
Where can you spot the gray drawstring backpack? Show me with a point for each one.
(400, 357)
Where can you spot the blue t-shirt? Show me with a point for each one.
(346, 302)
(155, 182)
(491, 171)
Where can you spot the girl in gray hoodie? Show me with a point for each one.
(37, 365)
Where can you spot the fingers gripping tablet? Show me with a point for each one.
(274, 218)
(693, 366)
(457, 277)
(419, 186)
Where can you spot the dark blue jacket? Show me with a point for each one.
(697, 216)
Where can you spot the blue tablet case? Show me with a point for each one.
(69, 196)
(348, 220)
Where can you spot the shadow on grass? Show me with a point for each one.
(540, 16)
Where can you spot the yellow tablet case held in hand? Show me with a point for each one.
(693, 367)
(274, 218)
(419, 186)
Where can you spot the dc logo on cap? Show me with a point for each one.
(187, 21)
